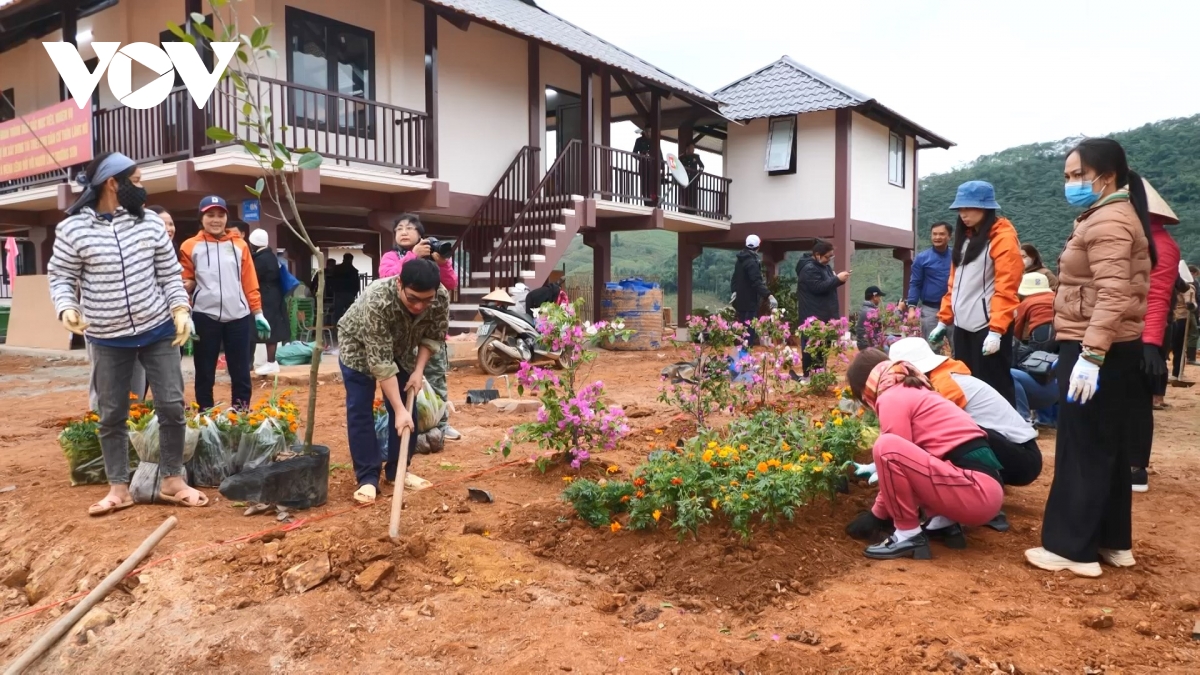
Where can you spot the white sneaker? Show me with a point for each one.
(415, 482)
(451, 434)
(1117, 558)
(268, 368)
(1043, 559)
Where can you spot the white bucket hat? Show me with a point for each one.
(916, 351)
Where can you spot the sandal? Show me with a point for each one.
(366, 494)
(195, 499)
(415, 482)
(108, 505)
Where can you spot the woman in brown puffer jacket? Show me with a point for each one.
(1099, 310)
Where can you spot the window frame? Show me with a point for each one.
(903, 152)
(292, 14)
(791, 168)
(10, 95)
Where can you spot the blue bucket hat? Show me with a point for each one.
(975, 194)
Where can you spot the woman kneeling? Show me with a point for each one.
(930, 455)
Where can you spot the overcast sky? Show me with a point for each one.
(984, 75)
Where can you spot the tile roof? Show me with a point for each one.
(786, 87)
(526, 18)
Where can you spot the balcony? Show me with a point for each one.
(347, 130)
(628, 178)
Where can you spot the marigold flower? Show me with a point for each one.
(817, 469)
(568, 479)
(773, 462)
(658, 431)
(859, 413)
(837, 421)
(827, 456)
(804, 457)
(762, 467)
(677, 481)
(639, 494)
(749, 475)
(786, 447)
(712, 444)
(613, 468)
(614, 526)
(733, 483)
(624, 499)
(656, 515)
(788, 466)
(742, 447)
(707, 456)
(715, 502)
(639, 481)
(745, 495)
(819, 425)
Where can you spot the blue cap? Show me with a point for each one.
(212, 202)
(975, 194)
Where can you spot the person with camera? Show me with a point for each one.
(1035, 350)
(388, 336)
(412, 244)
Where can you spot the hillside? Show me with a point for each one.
(1029, 186)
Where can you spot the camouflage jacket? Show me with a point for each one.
(378, 335)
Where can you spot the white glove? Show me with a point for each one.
(991, 344)
(261, 326)
(732, 297)
(773, 302)
(1085, 381)
(936, 335)
(866, 471)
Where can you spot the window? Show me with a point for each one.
(331, 56)
(781, 146)
(896, 159)
(7, 105)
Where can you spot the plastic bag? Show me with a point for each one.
(431, 442)
(430, 408)
(382, 428)
(146, 482)
(212, 461)
(258, 448)
(294, 354)
(146, 442)
(297, 483)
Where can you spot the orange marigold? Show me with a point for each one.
(762, 467)
(677, 481)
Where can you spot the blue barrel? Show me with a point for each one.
(639, 304)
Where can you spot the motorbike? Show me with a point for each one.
(508, 337)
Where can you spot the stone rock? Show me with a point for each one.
(14, 575)
(957, 659)
(1187, 603)
(609, 604)
(93, 621)
(475, 528)
(459, 580)
(372, 552)
(307, 575)
(369, 578)
(807, 637)
(634, 412)
(417, 548)
(1098, 621)
(1144, 628)
(515, 406)
(270, 553)
(408, 614)
(426, 609)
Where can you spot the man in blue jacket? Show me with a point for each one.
(930, 275)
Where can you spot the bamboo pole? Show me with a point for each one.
(47, 639)
(401, 473)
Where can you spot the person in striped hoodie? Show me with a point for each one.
(115, 279)
(218, 270)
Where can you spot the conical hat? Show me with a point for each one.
(1159, 206)
(499, 295)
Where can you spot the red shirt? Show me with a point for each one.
(1033, 312)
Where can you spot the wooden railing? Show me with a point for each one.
(706, 195)
(535, 222)
(345, 129)
(497, 212)
(627, 177)
(163, 132)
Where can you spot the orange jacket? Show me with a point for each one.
(995, 283)
(223, 269)
(945, 385)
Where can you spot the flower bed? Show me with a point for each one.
(758, 470)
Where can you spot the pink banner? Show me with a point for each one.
(63, 129)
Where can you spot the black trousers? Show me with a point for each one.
(1142, 424)
(807, 360)
(994, 369)
(1021, 462)
(1178, 337)
(1091, 498)
(235, 337)
(745, 318)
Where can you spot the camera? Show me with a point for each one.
(442, 248)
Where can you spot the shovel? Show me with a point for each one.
(402, 466)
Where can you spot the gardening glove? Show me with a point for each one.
(937, 334)
(73, 322)
(866, 471)
(183, 326)
(1084, 383)
(773, 302)
(1153, 363)
(733, 297)
(261, 325)
(867, 526)
(991, 343)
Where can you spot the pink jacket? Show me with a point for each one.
(926, 419)
(1162, 283)
(391, 263)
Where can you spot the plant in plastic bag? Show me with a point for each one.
(144, 437)
(80, 443)
(430, 408)
(146, 483)
(212, 461)
(382, 428)
(259, 447)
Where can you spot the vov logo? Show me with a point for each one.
(118, 60)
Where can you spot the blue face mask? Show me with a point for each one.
(1080, 193)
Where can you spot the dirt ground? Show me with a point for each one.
(538, 591)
